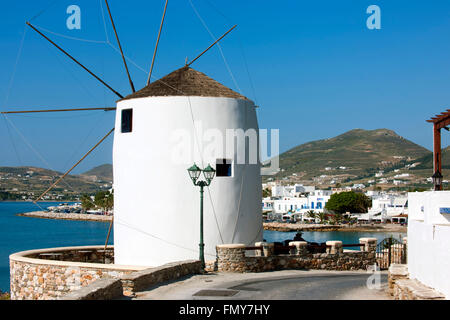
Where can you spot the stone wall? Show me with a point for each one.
(401, 287)
(33, 278)
(141, 280)
(233, 257)
(103, 289)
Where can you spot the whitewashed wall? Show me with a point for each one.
(156, 214)
(429, 239)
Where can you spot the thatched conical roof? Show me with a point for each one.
(186, 82)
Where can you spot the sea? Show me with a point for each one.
(23, 233)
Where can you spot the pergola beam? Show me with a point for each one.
(439, 121)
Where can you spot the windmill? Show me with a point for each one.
(150, 227)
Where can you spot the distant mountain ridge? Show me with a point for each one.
(103, 172)
(36, 180)
(426, 162)
(357, 151)
(351, 155)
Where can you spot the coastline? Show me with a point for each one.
(273, 226)
(66, 216)
(31, 201)
(288, 227)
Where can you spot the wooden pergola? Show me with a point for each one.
(440, 121)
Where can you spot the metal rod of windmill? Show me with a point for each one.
(75, 60)
(58, 110)
(157, 43)
(188, 64)
(120, 47)
(74, 166)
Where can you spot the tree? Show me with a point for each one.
(86, 202)
(337, 218)
(311, 214)
(266, 193)
(348, 202)
(104, 200)
(322, 217)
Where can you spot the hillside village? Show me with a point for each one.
(27, 183)
(305, 204)
(363, 159)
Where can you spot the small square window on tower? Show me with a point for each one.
(127, 120)
(224, 168)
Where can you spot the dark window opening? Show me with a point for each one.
(127, 120)
(223, 168)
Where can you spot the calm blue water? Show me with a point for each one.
(23, 233)
(345, 237)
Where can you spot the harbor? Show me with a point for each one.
(24, 233)
(66, 216)
(201, 174)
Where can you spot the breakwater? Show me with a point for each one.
(66, 216)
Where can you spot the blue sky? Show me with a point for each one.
(313, 67)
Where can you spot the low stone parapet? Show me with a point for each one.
(103, 289)
(334, 247)
(233, 258)
(141, 280)
(370, 244)
(300, 247)
(34, 278)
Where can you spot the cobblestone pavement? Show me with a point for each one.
(285, 285)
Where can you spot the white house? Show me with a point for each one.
(429, 239)
(315, 201)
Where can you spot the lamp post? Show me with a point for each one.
(437, 180)
(194, 174)
(437, 177)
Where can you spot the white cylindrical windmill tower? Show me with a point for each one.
(161, 130)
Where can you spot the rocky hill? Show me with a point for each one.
(103, 172)
(32, 181)
(352, 156)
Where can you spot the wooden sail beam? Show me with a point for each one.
(120, 47)
(157, 42)
(188, 64)
(107, 238)
(74, 166)
(57, 110)
(75, 60)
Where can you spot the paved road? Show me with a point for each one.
(282, 285)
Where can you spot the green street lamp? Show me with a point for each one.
(437, 180)
(194, 174)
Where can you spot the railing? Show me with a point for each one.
(353, 245)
